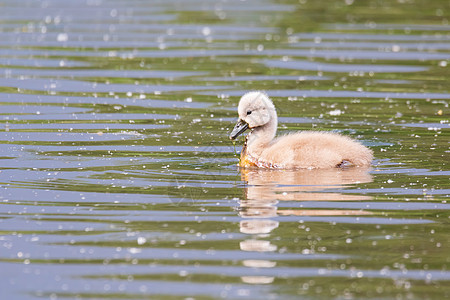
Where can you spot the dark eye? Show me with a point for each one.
(249, 112)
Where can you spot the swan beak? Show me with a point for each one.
(238, 129)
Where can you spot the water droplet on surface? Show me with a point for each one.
(62, 37)
(206, 31)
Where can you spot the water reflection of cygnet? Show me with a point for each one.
(303, 185)
(265, 188)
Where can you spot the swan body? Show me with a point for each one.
(302, 150)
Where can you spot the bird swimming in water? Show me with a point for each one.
(300, 150)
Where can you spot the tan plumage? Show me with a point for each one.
(307, 149)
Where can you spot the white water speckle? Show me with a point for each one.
(336, 112)
(62, 37)
(206, 31)
(141, 240)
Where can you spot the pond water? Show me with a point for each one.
(118, 180)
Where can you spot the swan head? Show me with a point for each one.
(255, 109)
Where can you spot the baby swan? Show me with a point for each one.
(302, 150)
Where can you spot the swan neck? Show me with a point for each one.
(261, 136)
